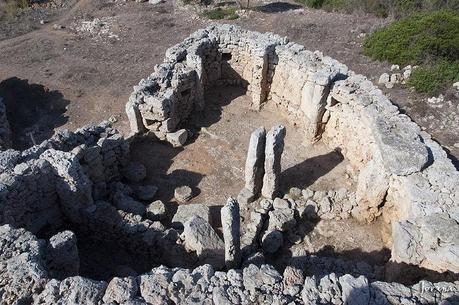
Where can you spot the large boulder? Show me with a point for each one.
(186, 212)
(201, 237)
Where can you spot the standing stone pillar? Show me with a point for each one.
(254, 167)
(135, 118)
(273, 153)
(231, 233)
(313, 101)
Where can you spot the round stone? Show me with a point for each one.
(183, 194)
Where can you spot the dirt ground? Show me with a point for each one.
(66, 73)
(95, 71)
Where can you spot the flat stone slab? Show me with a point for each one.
(202, 238)
(186, 212)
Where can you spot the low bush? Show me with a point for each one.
(434, 78)
(221, 13)
(383, 8)
(416, 39)
(430, 40)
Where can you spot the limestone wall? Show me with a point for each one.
(61, 176)
(25, 277)
(401, 173)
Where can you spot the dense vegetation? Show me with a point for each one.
(430, 40)
(383, 8)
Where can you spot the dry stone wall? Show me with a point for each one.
(401, 173)
(25, 279)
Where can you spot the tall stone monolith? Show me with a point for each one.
(254, 166)
(273, 152)
(231, 233)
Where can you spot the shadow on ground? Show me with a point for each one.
(33, 111)
(307, 172)
(277, 7)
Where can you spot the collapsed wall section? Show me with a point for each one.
(61, 176)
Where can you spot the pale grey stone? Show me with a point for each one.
(186, 212)
(254, 165)
(80, 290)
(231, 233)
(273, 153)
(121, 290)
(156, 210)
(201, 237)
(178, 138)
(183, 194)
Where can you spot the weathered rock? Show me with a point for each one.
(282, 219)
(135, 172)
(273, 153)
(183, 194)
(231, 233)
(245, 196)
(254, 165)
(62, 255)
(354, 290)
(121, 290)
(279, 203)
(178, 138)
(186, 212)
(272, 241)
(146, 192)
(79, 290)
(127, 204)
(201, 237)
(156, 210)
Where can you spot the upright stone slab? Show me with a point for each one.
(273, 153)
(254, 165)
(231, 233)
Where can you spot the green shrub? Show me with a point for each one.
(430, 40)
(417, 39)
(433, 78)
(221, 13)
(383, 8)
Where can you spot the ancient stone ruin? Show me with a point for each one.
(78, 199)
